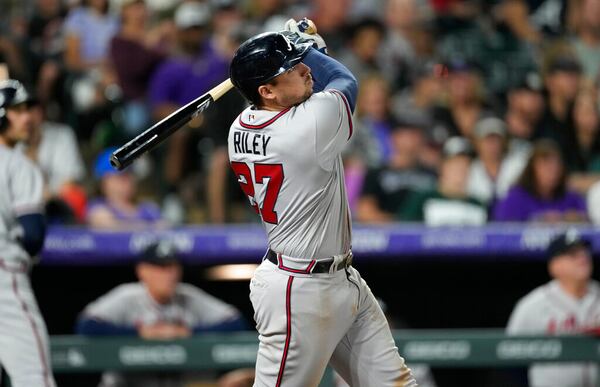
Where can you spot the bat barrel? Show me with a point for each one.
(150, 138)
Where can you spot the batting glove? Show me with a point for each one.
(306, 31)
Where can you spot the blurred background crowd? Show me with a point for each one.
(468, 111)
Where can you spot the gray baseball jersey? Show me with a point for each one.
(131, 305)
(306, 215)
(288, 163)
(21, 193)
(549, 310)
(23, 336)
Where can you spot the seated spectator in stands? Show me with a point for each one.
(562, 81)
(465, 100)
(417, 102)
(449, 204)
(158, 307)
(198, 65)
(566, 305)
(54, 148)
(586, 41)
(117, 206)
(541, 193)
(331, 17)
(89, 29)
(386, 188)
(134, 54)
(495, 168)
(364, 42)
(582, 151)
(525, 106)
(45, 48)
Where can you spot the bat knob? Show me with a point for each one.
(114, 161)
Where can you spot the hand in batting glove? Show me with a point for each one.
(305, 31)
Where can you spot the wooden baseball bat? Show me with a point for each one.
(158, 132)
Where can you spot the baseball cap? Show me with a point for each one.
(455, 146)
(564, 242)
(490, 125)
(162, 253)
(102, 166)
(192, 14)
(566, 64)
(532, 81)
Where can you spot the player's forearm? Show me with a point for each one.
(328, 73)
(95, 327)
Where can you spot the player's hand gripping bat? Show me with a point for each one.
(157, 133)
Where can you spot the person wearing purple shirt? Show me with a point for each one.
(197, 67)
(118, 207)
(541, 194)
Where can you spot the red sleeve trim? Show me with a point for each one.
(348, 111)
(265, 124)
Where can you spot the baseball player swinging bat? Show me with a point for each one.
(157, 133)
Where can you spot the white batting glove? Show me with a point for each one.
(307, 31)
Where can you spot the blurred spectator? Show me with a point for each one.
(89, 29)
(582, 149)
(586, 41)
(525, 106)
(593, 203)
(197, 67)
(465, 100)
(11, 55)
(135, 54)
(45, 48)
(331, 18)
(364, 43)
(405, 21)
(495, 167)
(566, 305)
(562, 83)
(91, 83)
(158, 307)
(117, 205)
(531, 20)
(449, 204)
(416, 103)
(386, 188)
(541, 193)
(54, 148)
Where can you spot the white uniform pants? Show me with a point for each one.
(24, 353)
(306, 321)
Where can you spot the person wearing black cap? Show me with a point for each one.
(24, 350)
(158, 306)
(569, 304)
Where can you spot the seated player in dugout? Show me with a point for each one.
(159, 307)
(568, 304)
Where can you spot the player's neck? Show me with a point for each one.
(575, 289)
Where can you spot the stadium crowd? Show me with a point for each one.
(468, 112)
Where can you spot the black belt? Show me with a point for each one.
(318, 267)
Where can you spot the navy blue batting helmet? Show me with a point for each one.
(12, 93)
(261, 58)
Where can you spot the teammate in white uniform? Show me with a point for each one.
(23, 337)
(568, 304)
(311, 307)
(159, 306)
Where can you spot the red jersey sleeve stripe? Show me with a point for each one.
(348, 111)
(265, 124)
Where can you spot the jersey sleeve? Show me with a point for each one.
(207, 310)
(26, 186)
(111, 307)
(333, 124)
(523, 320)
